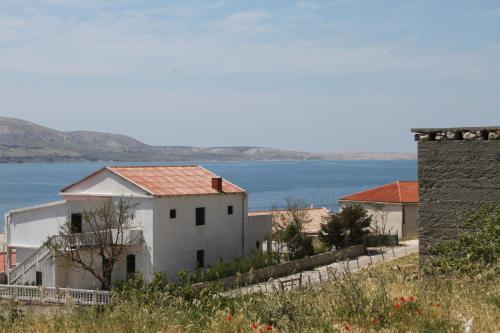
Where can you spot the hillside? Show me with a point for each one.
(22, 141)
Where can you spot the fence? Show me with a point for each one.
(54, 295)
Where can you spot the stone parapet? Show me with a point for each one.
(457, 133)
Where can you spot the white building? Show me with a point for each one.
(393, 207)
(183, 216)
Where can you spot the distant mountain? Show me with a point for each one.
(23, 141)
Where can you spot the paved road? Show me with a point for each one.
(321, 274)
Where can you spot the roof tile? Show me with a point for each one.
(173, 180)
(397, 192)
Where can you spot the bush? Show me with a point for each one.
(221, 269)
(381, 240)
(347, 227)
(476, 248)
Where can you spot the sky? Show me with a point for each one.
(318, 76)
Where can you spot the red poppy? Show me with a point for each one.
(397, 306)
(260, 330)
(269, 327)
(347, 327)
(403, 299)
(254, 325)
(412, 299)
(229, 317)
(374, 321)
(438, 305)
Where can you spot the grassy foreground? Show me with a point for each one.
(390, 297)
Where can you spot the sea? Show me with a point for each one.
(269, 183)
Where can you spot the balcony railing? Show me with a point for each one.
(125, 237)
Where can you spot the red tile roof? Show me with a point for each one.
(397, 192)
(173, 180)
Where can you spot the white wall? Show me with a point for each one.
(31, 227)
(259, 229)
(105, 183)
(176, 241)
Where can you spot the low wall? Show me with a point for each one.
(287, 268)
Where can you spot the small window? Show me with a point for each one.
(200, 258)
(130, 264)
(229, 210)
(257, 245)
(76, 223)
(38, 277)
(173, 213)
(200, 216)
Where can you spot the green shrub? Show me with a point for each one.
(221, 269)
(477, 247)
(347, 227)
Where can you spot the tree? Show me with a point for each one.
(346, 227)
(98, 250)
(288, 229)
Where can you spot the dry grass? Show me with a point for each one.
(370, 300)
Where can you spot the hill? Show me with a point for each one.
(22, 141)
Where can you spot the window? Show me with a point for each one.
(130, 264)
(200, 216)
(200, 258)
(38, 277)
(76, 223)
(229, 210)
(257, 244)
(173, 213)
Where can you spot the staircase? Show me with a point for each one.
(22, 268)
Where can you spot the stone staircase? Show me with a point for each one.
(26, 265)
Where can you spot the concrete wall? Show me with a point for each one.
(455, 177)
(259, 230)
(30, 227)
(175, 241)
(410, 227)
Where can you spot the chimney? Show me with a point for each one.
(217, 184)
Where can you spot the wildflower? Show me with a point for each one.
(347, 327)
(403, 299)
(269, 327)
(397, 306)
(254, 325)
(260, 330)
(412, 299)
(438, 305)
(229, 317)
(374, 321)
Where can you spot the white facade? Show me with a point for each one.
(166, 244)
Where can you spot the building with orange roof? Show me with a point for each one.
(393, 207)
(184, 217)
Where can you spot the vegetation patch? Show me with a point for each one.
(390, 297)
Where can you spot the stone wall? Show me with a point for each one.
(458, 171)
(291, 267)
